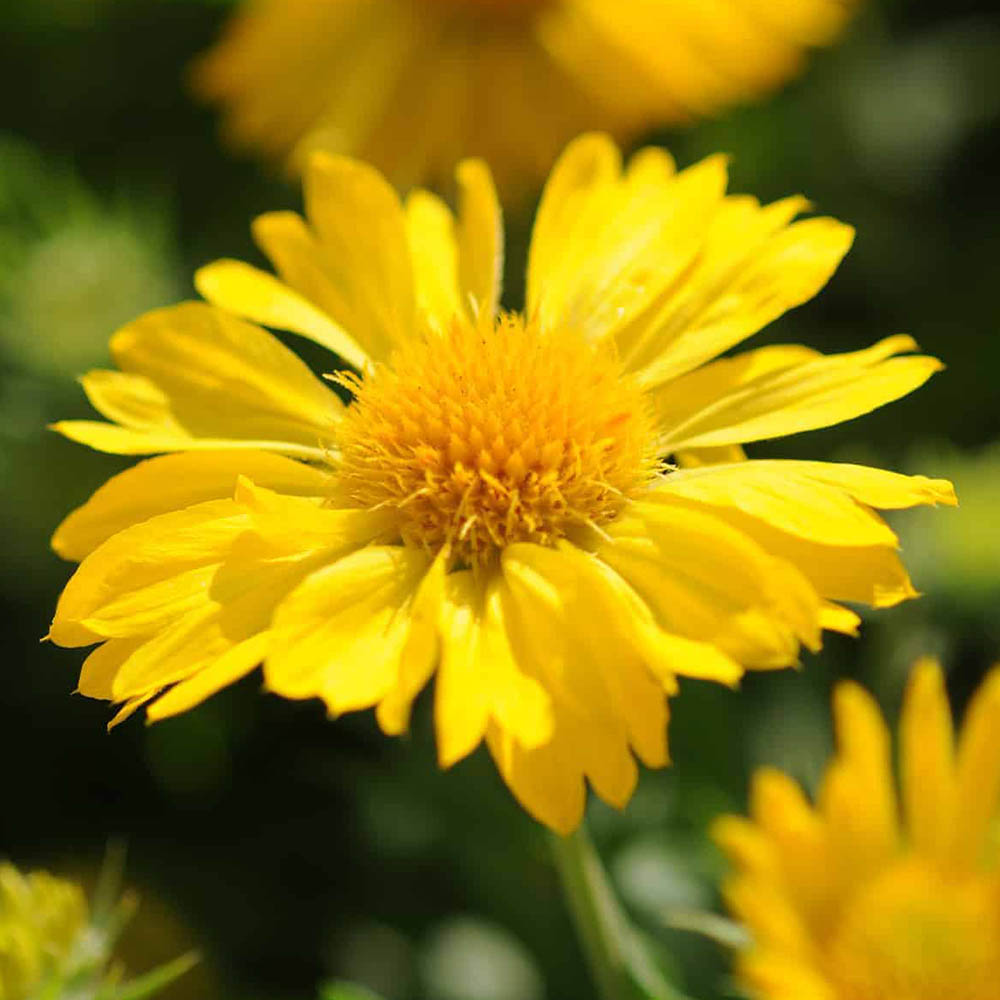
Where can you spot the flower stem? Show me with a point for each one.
(620, 965)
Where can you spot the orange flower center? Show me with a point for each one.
(918, 934)
(495, 433)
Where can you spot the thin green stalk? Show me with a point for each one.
(619, 963)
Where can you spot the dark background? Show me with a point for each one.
(294, 850)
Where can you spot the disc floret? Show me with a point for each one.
(492, 433)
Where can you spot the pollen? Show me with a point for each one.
(494, 433)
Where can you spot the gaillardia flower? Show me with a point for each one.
(414, 85)
(870, 895)
(550, 510)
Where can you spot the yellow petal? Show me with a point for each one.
(683, 397)
(589, 164)
(815, 394)
(299, 524)
(238, 606)
(480, 236)
(172, 482)
(340, 635)
(126, 441)
(783, 497)
(627, 245)
(547, 781)
(362, 233)
(430, 227)
(421, 653)
(754, 268)
(227, 669)
(148, 555)
(927, 760)
(461, 699)
(595, 647)
(871, 575)
(711, 583)
(977, 773)
(874, 487)
(260, 297)
(196, 377)
(102, 665)
(520, 705)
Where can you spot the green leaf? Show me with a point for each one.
(346, 991)
(158, 979)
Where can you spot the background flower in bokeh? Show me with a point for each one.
(872, 892)
(415, 85)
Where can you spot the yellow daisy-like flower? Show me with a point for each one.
(41, 919)
(414, 85)
(500, 503)
(870, 895)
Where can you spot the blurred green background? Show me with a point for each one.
(295, 851)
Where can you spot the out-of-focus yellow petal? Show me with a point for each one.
(361, 230)
(977, 773)
(172, 482)
(859, 799)
(340, 634)
(837, 618)
(815, 394)
(779, 976)
(927, 760)
(262, 298)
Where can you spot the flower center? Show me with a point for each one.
(917, 934)
(495, 433)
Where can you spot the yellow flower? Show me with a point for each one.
(414, 85)
(41, 920)
(870, 895)
(497, 504)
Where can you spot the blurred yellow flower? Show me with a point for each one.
(41, 920)
(502, 501)
(870, 895)
(414, 85)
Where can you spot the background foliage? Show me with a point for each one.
(295, 851)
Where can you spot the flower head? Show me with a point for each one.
(872, 894)
(41, 920)
(549, 510)
(413, 85)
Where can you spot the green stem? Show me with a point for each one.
(585, 885)
(621, 967)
